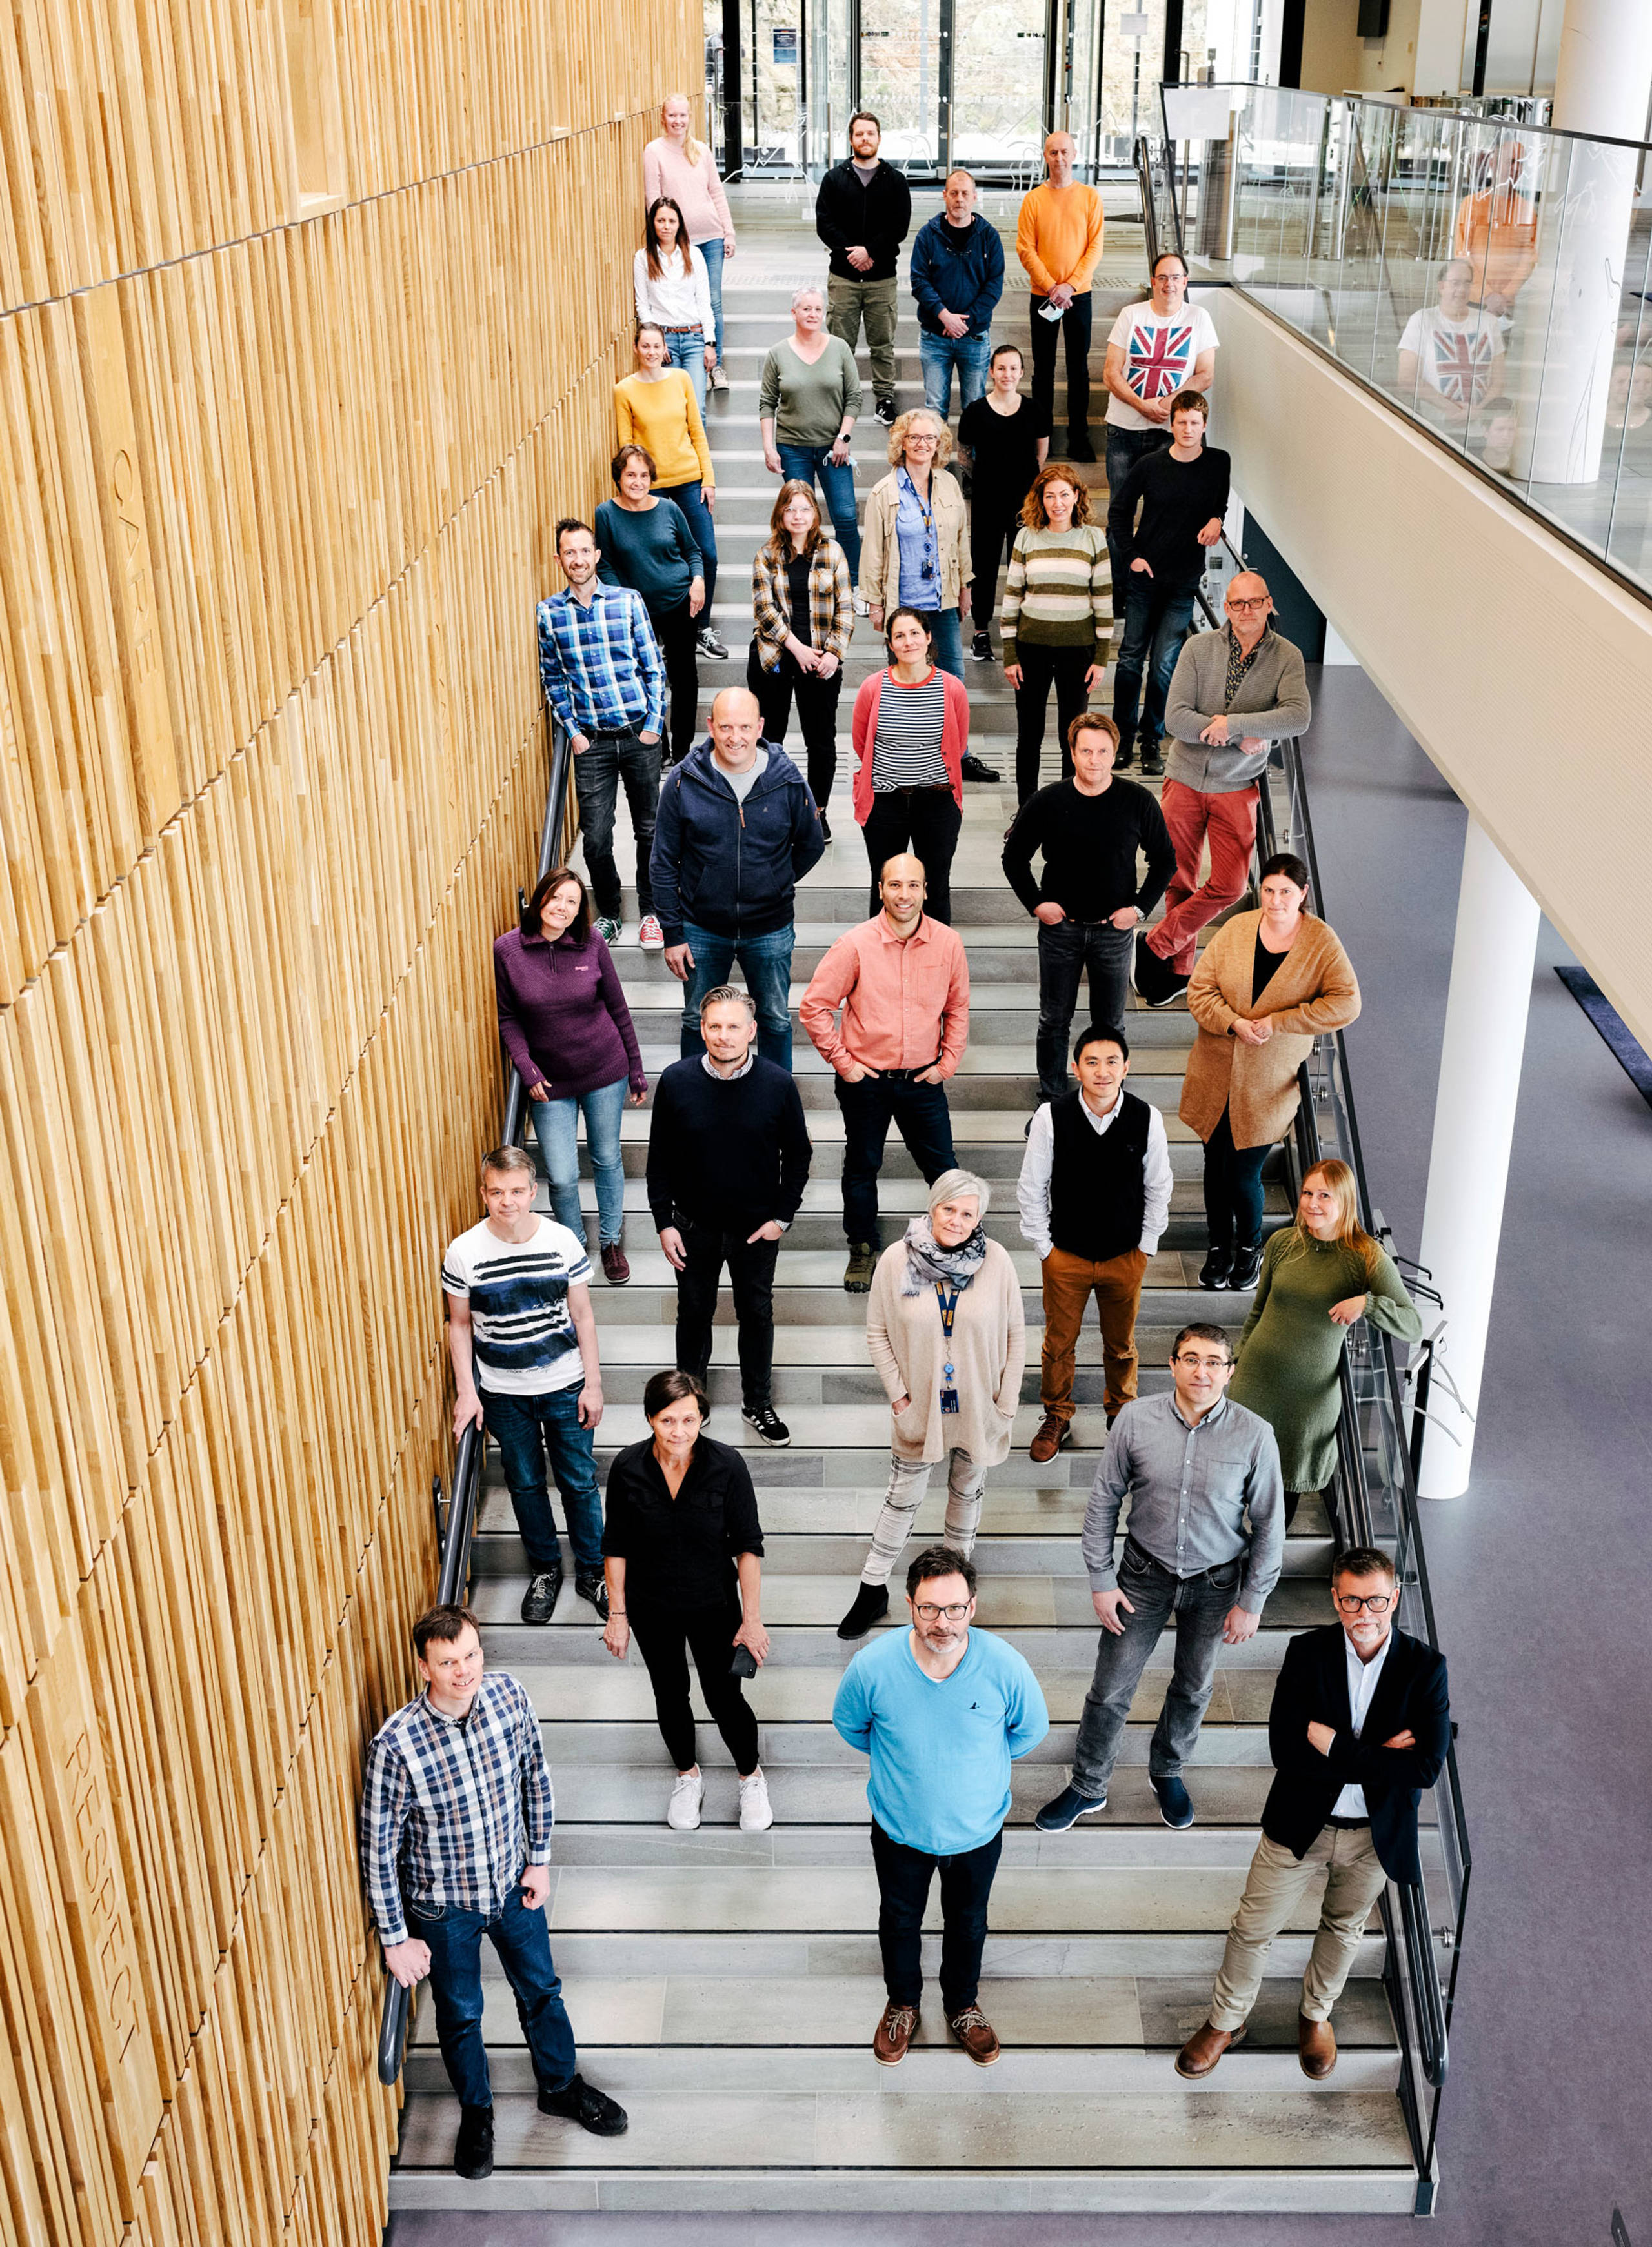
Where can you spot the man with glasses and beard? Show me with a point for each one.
(1361, 1724)
(942, 1711)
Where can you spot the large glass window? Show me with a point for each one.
(998, 72)
(900, 77)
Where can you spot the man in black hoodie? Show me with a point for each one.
(862, 213)
(736, 832)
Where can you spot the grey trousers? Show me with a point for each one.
(908, 1480)
(1199, 1605)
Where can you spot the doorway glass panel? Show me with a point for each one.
(998, 74)
(900, 78)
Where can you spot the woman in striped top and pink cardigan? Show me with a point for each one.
(1058, 615)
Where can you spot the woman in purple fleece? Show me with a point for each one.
(565, 1024)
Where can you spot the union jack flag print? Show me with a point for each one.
(1462, 363)
(1158, 359)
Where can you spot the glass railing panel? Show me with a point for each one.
(1627, 447)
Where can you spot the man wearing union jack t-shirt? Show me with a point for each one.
(1155, 350)
(1451, 354)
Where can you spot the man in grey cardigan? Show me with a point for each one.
(1192, 1463)
(1234, 694)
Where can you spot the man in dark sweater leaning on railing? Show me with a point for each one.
(728, 1157)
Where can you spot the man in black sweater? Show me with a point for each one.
(728, 1157)
(861, 212)
(1088, 903)
(1361, 1724)
(1181, 493)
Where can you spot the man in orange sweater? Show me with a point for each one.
(1058, 239)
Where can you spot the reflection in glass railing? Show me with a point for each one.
(1490, 276)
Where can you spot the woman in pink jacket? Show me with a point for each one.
(911, 731)
(679, 166)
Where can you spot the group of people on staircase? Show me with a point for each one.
(1209, 1472)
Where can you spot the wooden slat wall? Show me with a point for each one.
(310, 311)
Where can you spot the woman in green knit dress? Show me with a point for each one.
(1318, 1276)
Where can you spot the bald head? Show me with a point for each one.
(958, 198)
(903, 889)
(1058, 159)
(736, 728)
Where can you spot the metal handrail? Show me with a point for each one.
(452, 1576)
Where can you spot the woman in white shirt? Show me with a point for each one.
(673, 294)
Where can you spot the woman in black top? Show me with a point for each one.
(1007, 437)
(683, 1549)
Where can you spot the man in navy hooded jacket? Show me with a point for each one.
(957, 277)
(736, 831)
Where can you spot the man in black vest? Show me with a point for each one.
(1361, 1724)
(1095, 1195)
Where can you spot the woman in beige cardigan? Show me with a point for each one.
(915, 554)
(1265, 986)
(944, 1329)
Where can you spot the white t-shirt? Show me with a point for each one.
(521, 1330)
(1160, 353)
(1454, 356)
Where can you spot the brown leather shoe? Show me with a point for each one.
(1316, 2047)
(616, 1270)
(1053, 1436)
(894, 2033)
(975, 2032)
(1203, 2048)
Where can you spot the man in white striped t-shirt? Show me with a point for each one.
(523, 1341)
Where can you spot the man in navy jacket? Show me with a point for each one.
(736, 832)
(1361, 1724)
(957, 277)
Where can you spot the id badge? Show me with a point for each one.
(949, 1400)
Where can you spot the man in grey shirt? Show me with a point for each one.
(1193, 1465)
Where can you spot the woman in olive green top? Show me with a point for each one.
(1318, 1276)
(807, 402)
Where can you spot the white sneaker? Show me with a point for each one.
(650, 935)
(862, 608)
(686, 1795)
(756, 1815)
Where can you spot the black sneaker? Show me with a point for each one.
(709, 644)
(1123, 759)
(1217, 1269)
(474, 2153)
(539, 1601)
(981, 647)
(593, 2110)
(871, 1605)
(590, 1584)
(1156, 982)
(825, 829)
(884, 410)
(767, 1422)
(1247, 1262)
(1153, 763)
(973, 768)
(1079, 447)
(1066, 1809)
(1175, 1803)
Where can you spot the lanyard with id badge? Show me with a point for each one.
(949, 1312)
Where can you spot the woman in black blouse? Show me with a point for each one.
(683, 1549)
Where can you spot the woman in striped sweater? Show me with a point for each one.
(1058, 615)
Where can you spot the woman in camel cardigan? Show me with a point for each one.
(1266, 984)
(944, 1329)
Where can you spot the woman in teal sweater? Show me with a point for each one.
(1318, 1276)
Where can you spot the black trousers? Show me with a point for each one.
(904, 1877)
(678, 633)
(817, 701)
(924, 821)
(1075, 329)
(1233, 1190)
(751, 1276)
(1063, 668)
(994, 522)
(665, 1637)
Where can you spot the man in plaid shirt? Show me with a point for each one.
(455, 1843)
(602, 668)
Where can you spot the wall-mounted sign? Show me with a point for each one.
(785, 49)
(1133, 25)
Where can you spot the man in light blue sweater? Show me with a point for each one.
(942, 1711)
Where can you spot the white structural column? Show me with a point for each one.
(1573, 300)
(1491, 967)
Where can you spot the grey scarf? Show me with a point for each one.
(927, 1262)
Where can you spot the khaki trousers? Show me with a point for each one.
(1068, 1283)
(1345, 1857)
(849, 302)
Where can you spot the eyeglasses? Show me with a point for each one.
(1375, 1603)
(1205, 1364)
(926, 1612)
(1234, 601)
(922, 437)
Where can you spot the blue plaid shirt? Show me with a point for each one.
(454, 1807)
(601, 666)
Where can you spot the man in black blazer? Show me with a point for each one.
(1339, 1806)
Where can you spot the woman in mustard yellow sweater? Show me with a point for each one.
(656, 408)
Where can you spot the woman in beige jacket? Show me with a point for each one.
(944, 1329)
(915, 554)
(1265, 986)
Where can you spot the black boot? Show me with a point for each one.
(870, 1606)
(1247, 1262)
(474, 2153)
(590, 1584)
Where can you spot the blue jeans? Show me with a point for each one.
(807, 462)
(938, 355)
(1198, 1606)
(918, 1112)
(525, 1428)
(1155, 626)
(686, 349)
(520, 1938)
(1064, 952)
(556, 1128)
(946, 636)
(692, 500)
(714, 253)
(766, 962)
